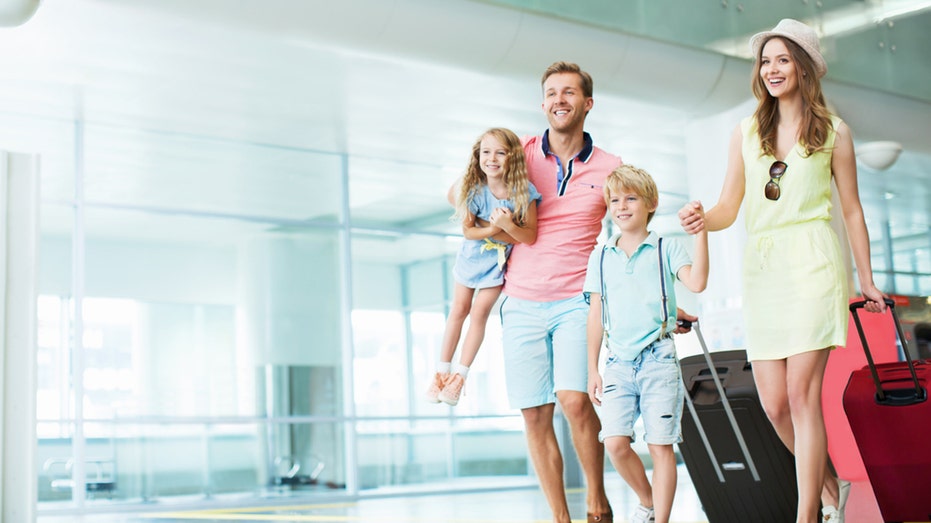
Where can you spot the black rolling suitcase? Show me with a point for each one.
(740, 468)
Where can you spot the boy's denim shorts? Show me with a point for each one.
(649, 386)
(544, 349)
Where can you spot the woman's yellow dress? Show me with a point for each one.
(795, 283)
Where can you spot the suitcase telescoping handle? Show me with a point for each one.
(741, 441)
(894, 397)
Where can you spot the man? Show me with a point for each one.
(544, 313)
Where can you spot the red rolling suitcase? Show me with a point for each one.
(890, 415)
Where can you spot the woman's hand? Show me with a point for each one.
(875, 299)
(692, 217)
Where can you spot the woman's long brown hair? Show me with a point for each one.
(816, 119)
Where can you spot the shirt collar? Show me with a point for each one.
(652, 240)
(587, 148)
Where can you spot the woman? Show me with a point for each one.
(780, 165)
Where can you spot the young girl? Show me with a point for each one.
(498, 206)
(781, 164)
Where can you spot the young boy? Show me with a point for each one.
(642, 375)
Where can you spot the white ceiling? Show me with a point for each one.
(232, 108)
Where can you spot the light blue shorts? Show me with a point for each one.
(649, 386)
(544, 349)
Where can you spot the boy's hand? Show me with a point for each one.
(686, 321)
(594, 388)
(692, 217)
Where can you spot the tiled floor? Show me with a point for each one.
(504, 506)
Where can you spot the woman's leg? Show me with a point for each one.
(805, 375)
(770, 379)
(771, 382)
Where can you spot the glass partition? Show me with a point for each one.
(174, 460)
(128, 167)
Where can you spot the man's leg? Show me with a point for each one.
(547, 460)
(528, 371)
(585, 426)
(568, 324)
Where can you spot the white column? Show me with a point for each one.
(19, 234)
(290, 309)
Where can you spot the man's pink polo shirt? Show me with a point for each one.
(569, 218)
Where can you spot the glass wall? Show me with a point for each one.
(227, 319)
(215, 321)
(224, 317)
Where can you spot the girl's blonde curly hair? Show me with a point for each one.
(515, 175)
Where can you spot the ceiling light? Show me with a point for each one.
(879, 156)
(17, 12)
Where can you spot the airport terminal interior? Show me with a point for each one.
(241, 245)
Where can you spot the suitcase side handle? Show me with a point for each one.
(896, 397)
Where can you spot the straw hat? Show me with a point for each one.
(799, 33)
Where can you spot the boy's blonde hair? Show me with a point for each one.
(635, 180)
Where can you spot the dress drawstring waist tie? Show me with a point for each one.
(500, 247)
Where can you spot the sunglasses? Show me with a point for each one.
(776, 170)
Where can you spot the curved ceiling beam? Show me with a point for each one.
(502, 41)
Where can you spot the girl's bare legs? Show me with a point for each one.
(790, 391)
(478, 317)
(458, 312)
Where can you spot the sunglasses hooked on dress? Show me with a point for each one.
(776, 170)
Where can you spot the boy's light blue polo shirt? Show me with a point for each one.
(634, 292)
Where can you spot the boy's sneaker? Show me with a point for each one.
(452, 390)
(436, 385)
(642, 515)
